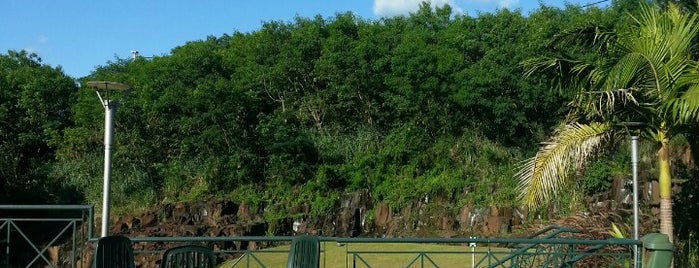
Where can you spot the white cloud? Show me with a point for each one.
(509, 4)
(42, 39)
(403, 7)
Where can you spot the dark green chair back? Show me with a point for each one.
(189, 256)
(304, 252)
(113, 252)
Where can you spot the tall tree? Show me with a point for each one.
(34, 110)
(646, 75)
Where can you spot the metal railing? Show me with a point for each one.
(239, 251)
(415, 252)
(543, 249)
(27, 232)
(552, 252)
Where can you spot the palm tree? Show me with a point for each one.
(646, 74)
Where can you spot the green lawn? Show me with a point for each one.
(390, 255)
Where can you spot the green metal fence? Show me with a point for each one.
(546, 248)
(487, 252)
(239, 251)
(493, 252)
(27, 232)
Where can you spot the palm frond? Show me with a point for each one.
(684, 109)
(541, 176)
(604, 104)
(560, 66)
(663, 39)
(590, 34)
(629, 70)
(565, 72)
(535, 65)
(647, 74)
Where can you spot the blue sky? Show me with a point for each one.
(82, 34)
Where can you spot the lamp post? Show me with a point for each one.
(634, 169)
(632, 130)
(110, 107)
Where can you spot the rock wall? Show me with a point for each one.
(357, 214)
(212, 218)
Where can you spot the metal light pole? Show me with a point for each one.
(110, 107)
(634, 168)
(632, 130)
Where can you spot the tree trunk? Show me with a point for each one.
(665, 185)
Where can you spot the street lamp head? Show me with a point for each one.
(632, 125)
(107, 85)
(632, 128)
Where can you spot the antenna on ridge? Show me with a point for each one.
(135, 54)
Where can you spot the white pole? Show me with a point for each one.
(634, 168)
(109, 109)
(472, 245)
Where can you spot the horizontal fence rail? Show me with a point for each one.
(554, 252)
(271, 251)
(268, 251)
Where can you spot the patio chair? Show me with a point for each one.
(304, 252)
(189, 256)
(113, 252)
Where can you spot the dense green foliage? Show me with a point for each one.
(431, 103)
(300, 112)
(35, 102)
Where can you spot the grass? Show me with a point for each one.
(382, 255)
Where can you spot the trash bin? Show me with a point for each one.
(657, 251)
